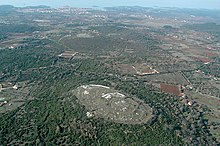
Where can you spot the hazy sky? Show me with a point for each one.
(209, 4)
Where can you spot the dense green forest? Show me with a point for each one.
(19, 28)
(45, 61)
(55, 117)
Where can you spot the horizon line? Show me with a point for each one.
(96, 6)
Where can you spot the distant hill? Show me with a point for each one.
(6, 8)
(37, 7)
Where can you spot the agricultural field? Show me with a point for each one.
(144, 69)
(213, 104)
(172, 78)
(173, 89)
(67, 54)
(203, 83)
(136, 69)
(126, 69)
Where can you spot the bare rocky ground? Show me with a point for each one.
(107, 103)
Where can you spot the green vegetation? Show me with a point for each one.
(6, 9)
(103, 47)
(211, 28)
(56, 117)
(19, 28)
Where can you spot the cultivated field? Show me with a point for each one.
(67, 54)
(126, 69)
(144, 69)
(213, 115)
(140, 69)
(173, 89)
(172, 78)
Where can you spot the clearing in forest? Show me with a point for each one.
(104, 102)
